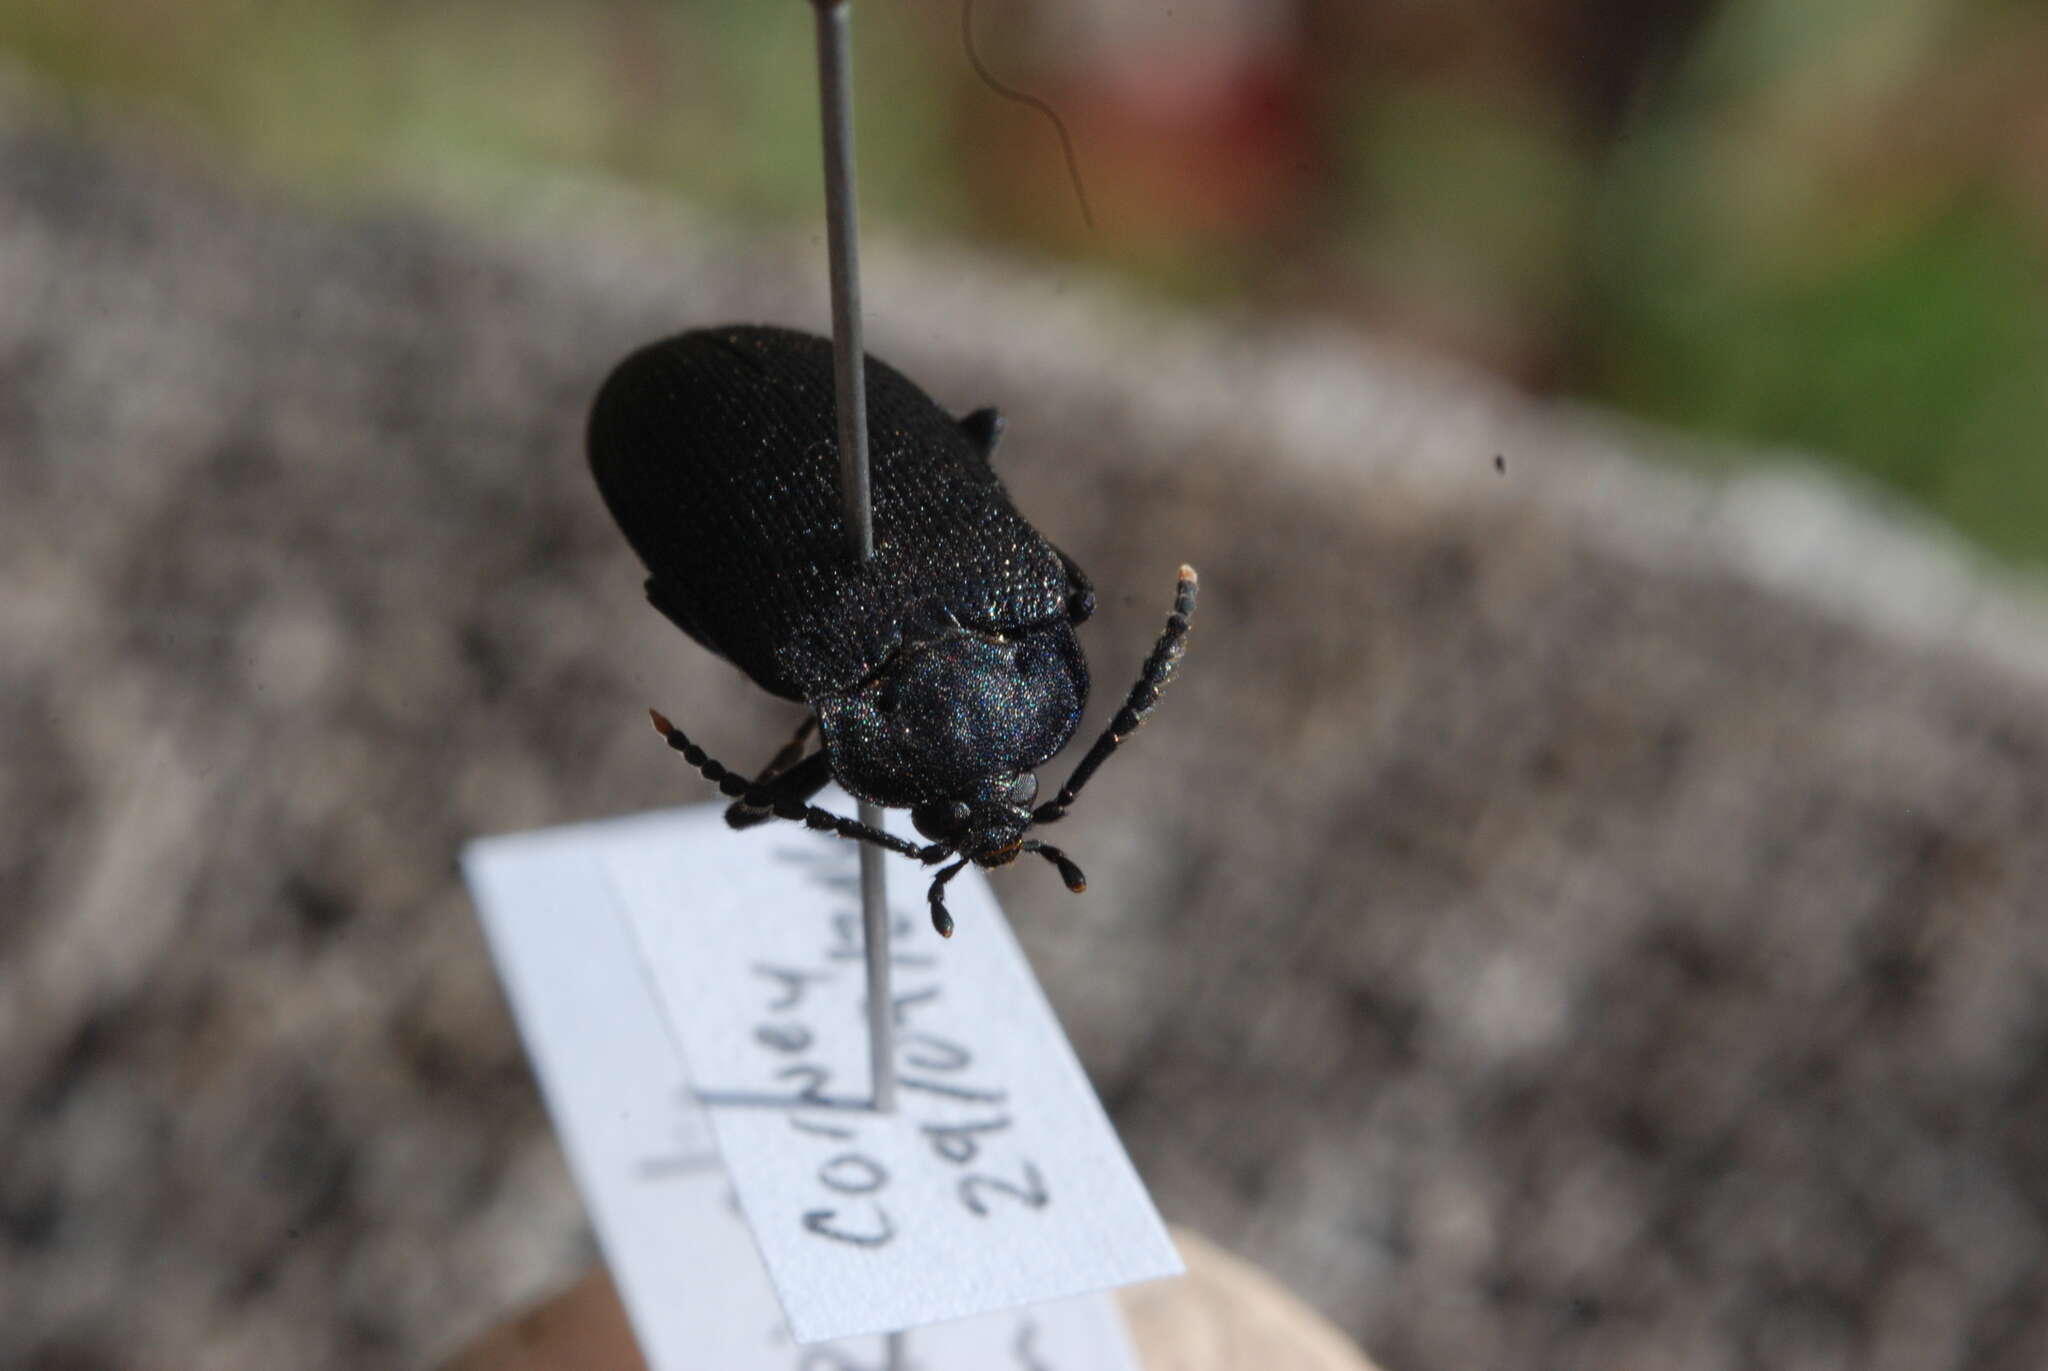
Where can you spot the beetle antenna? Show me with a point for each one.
(1152, 679)
(761, 797)
(1069, 872)
(936, 896)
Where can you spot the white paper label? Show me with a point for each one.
(999, 1181)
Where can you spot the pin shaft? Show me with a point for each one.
(849, 383)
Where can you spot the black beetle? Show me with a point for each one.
(941, 673)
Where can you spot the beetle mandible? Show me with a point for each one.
(941, 673)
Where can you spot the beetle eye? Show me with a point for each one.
(1024, 789)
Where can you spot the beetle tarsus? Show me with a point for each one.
(1069, 872)
(936, 896)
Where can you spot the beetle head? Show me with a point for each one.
(953, 724)
(989, 831)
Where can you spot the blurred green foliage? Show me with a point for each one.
(1811, 223)
(1829, 236)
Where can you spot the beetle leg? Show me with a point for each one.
(798, 783)
(936, 897)
(1080, 594)
(984, 429)
(781, 775)
(1152, 679)
(810, 816)
(1069, 872)
(792, 750)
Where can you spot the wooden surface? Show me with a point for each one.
(1224, 1315)
(1227, 1315)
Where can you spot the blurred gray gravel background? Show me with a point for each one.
(1582, 917)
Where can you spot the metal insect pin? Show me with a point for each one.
(941, 673)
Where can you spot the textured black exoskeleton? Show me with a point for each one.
(941, 673)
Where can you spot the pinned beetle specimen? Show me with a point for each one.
(941, 673)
